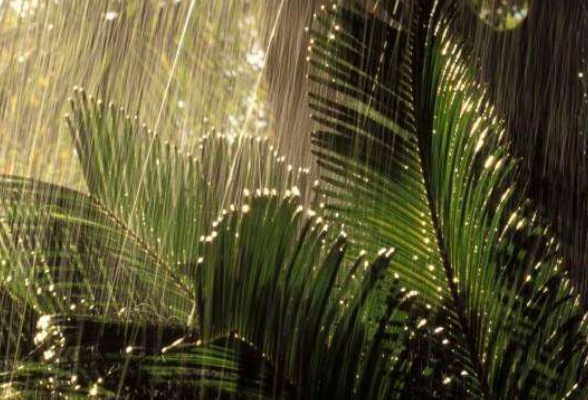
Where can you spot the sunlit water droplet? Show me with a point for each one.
(111, 15)
(502, 15)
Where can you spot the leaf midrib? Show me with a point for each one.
(426, 132)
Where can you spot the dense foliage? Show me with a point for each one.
(414, 267)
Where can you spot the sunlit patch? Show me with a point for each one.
(111, 15)
(23, 7)
(9, 390)
(501, 15)
(256, 56)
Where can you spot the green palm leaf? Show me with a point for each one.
(270, 278)
(414, 157)
(63, 253)
(268, 286)
(167, 197)
(214, 249)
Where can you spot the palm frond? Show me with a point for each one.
(225, 226)
(414, 157)
(269, 285)
(101, 359)
(167, 197)
(273, 277)
(63, 253)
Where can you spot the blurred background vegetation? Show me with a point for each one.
(184, 66)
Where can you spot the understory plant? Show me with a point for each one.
(412, 268)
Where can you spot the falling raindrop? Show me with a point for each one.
(502, 15)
